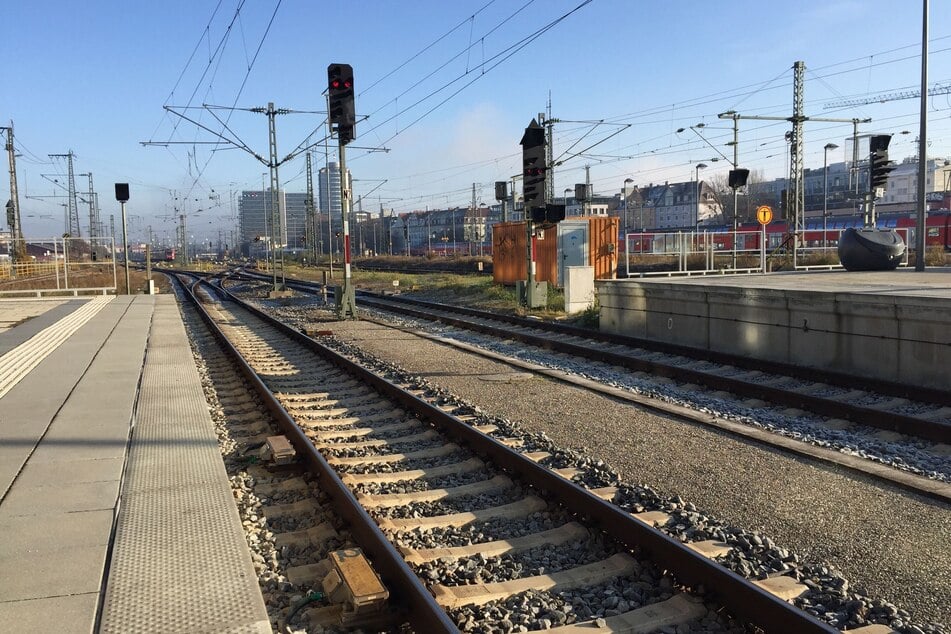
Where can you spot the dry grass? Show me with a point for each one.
(476, 291)
(94, 276)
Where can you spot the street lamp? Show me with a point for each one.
(624, 194)
(697, 169)
(825, 189)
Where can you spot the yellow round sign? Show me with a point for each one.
(764, 214)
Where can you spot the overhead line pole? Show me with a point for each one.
(922, 145)
(796, 162)
(277, 226)
(72, 210)
(16, 229)
(731, 114)
(311, 230)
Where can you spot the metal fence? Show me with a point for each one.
(718, 252)
(50, 266)
(691, 253)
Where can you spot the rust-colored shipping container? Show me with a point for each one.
(508, 253)
(603, 246)
(509, 262)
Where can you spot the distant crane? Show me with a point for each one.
(939, 89)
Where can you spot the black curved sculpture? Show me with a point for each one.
(870, 249)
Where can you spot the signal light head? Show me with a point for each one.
(341, 107)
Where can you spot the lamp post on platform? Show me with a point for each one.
(825, 190)
(697, 169)
(627, 215)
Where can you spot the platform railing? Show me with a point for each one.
(691, 253)
(57, 266)
(711, 253)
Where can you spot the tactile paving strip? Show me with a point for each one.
(180, 562)
(17, 363)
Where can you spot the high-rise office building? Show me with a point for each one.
(254, 218)
(329, 189)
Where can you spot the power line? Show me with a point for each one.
(243, 84)
(447, 62)
(218, 49)
(882, 97)
(402, 65)
(499, 58)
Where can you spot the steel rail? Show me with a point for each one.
(890, 388)
(832, 377)
(901, 423)
(743, 598)
(425, 615)
(927, 429)
(931, 430)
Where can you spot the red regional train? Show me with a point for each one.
(936, 232)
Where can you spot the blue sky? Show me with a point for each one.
(94, 77)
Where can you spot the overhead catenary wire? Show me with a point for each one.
(244, 82)
(681, 106)
(731, 93)
(498, 59)
(220, 47)
(403, 64)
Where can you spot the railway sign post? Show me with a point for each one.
(764, 214)
(122, 195)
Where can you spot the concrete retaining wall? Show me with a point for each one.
(906, 339)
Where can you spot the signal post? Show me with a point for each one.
(343, 115)
(879, 169)
(534, 175)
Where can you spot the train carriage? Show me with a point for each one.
(662, 240)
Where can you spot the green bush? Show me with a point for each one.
(589, 318)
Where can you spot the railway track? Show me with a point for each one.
(473, 529)
(824, 415)
(287, 519)
(433, 268)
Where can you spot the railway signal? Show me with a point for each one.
(122, 195)
(881, 167)
(342, 111)
(551, 213)
(534, 180)
(534, 169)
(342, 114)
(738, 177)
(501, 190)
(502, 195)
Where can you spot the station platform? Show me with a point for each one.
(893, 325)
(115, 506)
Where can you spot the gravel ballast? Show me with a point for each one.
(889, 543)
